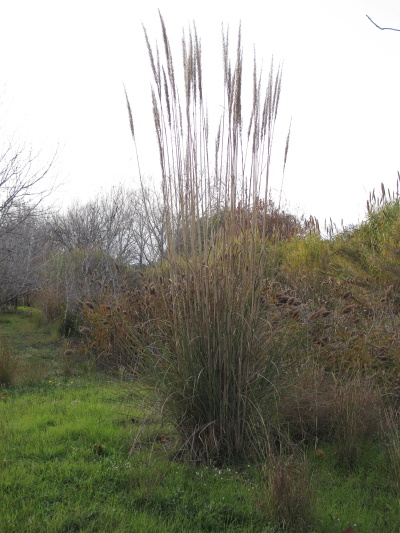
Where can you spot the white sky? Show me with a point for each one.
(63, 65)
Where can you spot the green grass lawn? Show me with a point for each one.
(78, 454)
(67, 465)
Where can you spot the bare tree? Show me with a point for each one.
(22, 253)
(22, 180)
(97, 244)
(126, 225)
(149, 227)
(24, 185)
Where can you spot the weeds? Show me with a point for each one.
(38, 318)
(253, 334)
(69, 359)
(8, 364)
(291, 495)
(359, 411)
(318, 408)
(391, 427)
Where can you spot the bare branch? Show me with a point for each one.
(374, 23)
(23, 189)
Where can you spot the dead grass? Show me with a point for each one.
(320, 408)
(291, 495)
(8, 364)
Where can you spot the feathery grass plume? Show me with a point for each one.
(213, 371)
(284, 164)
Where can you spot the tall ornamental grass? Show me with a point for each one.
(214, 373)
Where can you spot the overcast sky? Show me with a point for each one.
(63, 66)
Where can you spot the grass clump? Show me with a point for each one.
(358, 416)
(319, 408)
(291, 495)
(213, 373)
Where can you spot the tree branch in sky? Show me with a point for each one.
(393, 29)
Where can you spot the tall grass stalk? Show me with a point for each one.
(214, 375)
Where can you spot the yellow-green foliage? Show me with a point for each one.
(373, 248)
(306, 257)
